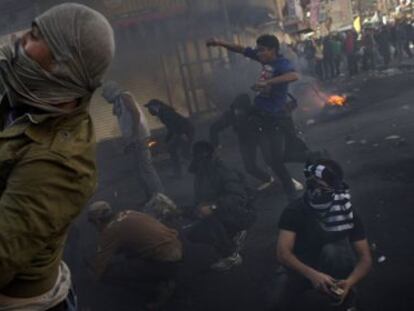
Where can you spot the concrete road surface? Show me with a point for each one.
(375, 144)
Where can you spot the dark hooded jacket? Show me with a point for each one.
(215, 183)
(241, 123)
(175, 123)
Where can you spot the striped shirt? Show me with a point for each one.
(336, 215)
(311, 237)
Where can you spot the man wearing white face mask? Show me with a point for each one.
(47, 150)
(135, 135)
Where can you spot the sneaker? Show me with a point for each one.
(160, 205)
(266, 184)
(225, 264)
(298, 186)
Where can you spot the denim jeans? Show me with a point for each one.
(146, 169)
(336, 259)
(211, 231)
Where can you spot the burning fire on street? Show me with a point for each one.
(336, 106)
(333, 106)
(336, 100)
(325, 100)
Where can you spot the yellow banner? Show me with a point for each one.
(357, 24)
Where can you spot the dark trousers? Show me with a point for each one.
(248, 149)
(295, 292)
(368, 62)
(403, 46)
(179, 147)
(385, 54)
(319, 70)
(329, 67)
(211, 231)
(352, 64)
(406, 48)
(219, 229)
(337, 63)
(149, 277)
(279, 144)
(135, 269)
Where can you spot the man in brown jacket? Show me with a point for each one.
(152, 250)
(47, 150)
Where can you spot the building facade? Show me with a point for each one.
(161, 50)
(161, 53)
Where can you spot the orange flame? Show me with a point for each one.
(336, 100)
(152, 143)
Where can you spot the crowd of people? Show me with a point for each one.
(48, 173)
(349, 53)
(224, 208)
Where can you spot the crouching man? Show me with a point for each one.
(318, 237)
(222, 205)
(152, 251)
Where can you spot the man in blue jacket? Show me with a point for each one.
(272, 109)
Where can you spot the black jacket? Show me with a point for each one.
(244, 128)
(175, 123)
(217, 184)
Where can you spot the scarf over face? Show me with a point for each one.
(133, 125)
(331, 205)
(82, 43)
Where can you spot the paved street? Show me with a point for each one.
(375, 144)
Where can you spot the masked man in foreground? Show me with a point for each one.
(319, 236)
(47, 150)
